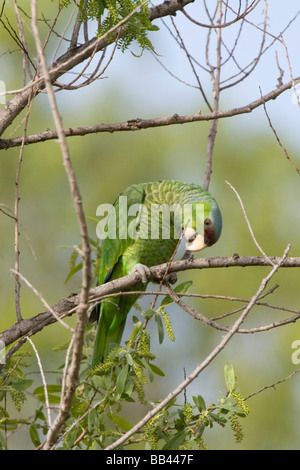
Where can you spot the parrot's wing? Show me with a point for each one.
(113, 247)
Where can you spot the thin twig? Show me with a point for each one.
(43, 379)
(62, 36)
(248, 223)
(18, 275)
(16, 215)
(250, 67)
(238, 17)
(278, 139)
(211, 322)
(215, 74)
(65, 371)
(273, 385)
(77, 25)
(26, 62)
(182, 45)
(139, 124)
(73, 375)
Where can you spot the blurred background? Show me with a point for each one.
(246, 154)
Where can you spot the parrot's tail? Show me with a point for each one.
(105, 341)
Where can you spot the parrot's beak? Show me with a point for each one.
(194, 240)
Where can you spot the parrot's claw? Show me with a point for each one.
(143, 271)
(171, 278)
(187, 255)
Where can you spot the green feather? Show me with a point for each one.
(119, 256)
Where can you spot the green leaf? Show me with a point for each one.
(116, 353)
(122, 376)
(228, 406)
(199, 402)
(129, 386)
(140, 362)
(154, 28)
(129, 359)
(93, 420)
(148, 313)
(160, 328)
(22, 384)
(229, 376)
(128, 398)
(93, 219)
(71, 436)
(200, 431)
(39, 414)
(39, 392)
(176, 440)
(156, 370)
(99, 382)
(8, 424)
(136, 321)
(183, 288)
(149, 370)
(73, 271)
(217, 418)
(52, 388)
(34, 436)
(121, 422)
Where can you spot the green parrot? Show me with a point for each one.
(142, 230)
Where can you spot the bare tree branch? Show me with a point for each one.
(217, 25)
(16, 216)
(218, 326)
(81, 310)
(139, 124)
(278, 139)
(76, 56)
(65, 307)
(26, 61)
(215, 73)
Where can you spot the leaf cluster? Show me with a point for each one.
(182, 426)
(109, 13)
(13, 385)
(99, 413)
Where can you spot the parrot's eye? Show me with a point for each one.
(207, 222)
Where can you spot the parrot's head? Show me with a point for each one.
(212, 227)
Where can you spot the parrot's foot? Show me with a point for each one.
(171, 278)
(143, 271)
(188, 255)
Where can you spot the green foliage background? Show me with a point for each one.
(107, 163)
